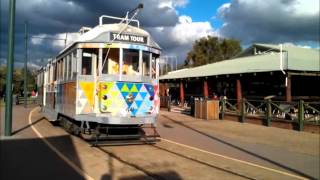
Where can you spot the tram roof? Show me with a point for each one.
(101, 34)
(265, 59)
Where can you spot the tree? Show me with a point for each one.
(17, 80)
(212, 49)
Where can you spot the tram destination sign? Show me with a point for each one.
(128, 38)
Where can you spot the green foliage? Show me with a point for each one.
(18, 79)
(212, 49)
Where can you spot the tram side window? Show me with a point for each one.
(74, 64)
(49, 74)
(146, 64)
(60, 69)
(86, 64)
(55, 71)
(65, 64)
(130, 62)
(69, 66)
(154, 59)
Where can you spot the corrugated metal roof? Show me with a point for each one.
(300, 59)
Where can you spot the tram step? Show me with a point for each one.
(124, 142)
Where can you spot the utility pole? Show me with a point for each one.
(65, 41)
(25, 89)
(8, 111)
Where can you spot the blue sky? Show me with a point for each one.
(204, 11)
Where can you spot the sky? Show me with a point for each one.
(174, 24)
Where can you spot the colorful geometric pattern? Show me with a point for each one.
(85, 102)
(128, 99)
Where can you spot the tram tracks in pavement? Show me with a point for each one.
(171, 152)
(300, 176)
(162, 147)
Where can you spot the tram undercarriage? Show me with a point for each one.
(106, 134)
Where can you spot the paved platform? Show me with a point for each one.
(25, 156)
(282, 149)
(39, 150)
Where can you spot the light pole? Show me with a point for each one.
(8, 110)
(25, 64)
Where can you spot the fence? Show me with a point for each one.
(30, 100)
(298, 113)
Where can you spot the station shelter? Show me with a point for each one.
(284, 72)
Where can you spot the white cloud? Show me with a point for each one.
(38, 39)
(178, 40)
(173, 3)
(272, 21)
(70, 36)
(57, 40)
(186, 31)
(306, 7)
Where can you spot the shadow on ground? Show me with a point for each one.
(32, 159)
(242, 149)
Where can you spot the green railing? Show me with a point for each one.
(298, 113)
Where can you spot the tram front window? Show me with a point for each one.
(111, 65)
(130, 62)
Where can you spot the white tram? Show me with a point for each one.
(105, 83)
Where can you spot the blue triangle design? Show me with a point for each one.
(149, 89)
(143, 94)
(120, 85)
(129, 104)
(138, 97)
(129, 85)
(134, 112)
(124, 94)
(138, 86)
(134, 94)
(138, 103)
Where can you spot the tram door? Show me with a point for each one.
(87, 82)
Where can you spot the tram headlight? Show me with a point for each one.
(105, 97)
(104, 86)
(104, 108)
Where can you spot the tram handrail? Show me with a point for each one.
(117, 18)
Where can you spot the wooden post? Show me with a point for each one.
(288, 89)
(301, 115)
(181, 92)
(239, 92)
(268, 113)
(162, 88)
(205, 89)
(243, 110)
(165, 89)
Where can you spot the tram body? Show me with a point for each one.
(108, 77)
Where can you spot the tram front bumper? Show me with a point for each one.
(105, 119)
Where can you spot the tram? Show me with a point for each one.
(105, 83)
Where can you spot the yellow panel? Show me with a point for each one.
(88, 90)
